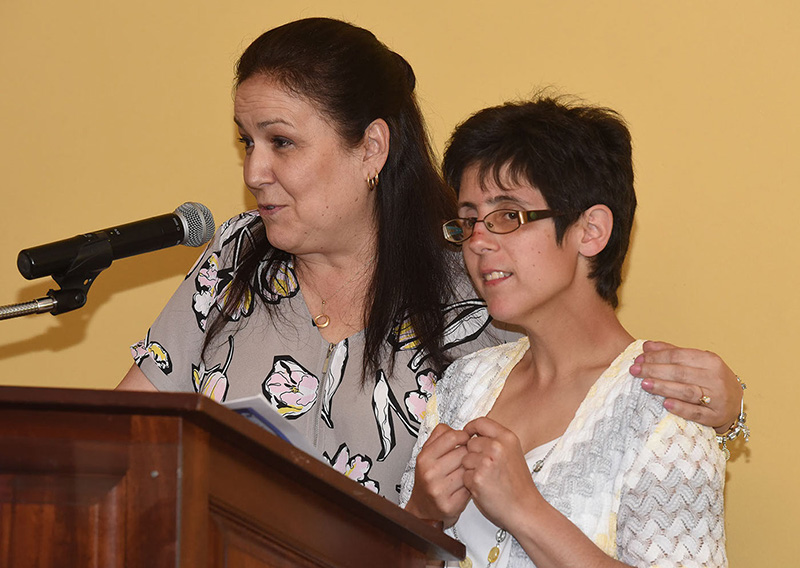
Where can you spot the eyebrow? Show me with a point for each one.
(502, 198)
(264, 123)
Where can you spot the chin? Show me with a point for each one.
(503, 312)
(280, 240)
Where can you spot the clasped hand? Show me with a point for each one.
(483, 462)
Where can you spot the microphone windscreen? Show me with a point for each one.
(198, 223)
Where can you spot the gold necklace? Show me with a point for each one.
(500, 536)
(323, 320)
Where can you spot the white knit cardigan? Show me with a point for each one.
(643, 484)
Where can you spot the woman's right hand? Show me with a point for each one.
(439, 493)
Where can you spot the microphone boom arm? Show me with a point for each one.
(93, 257)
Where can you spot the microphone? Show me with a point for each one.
(191, 224)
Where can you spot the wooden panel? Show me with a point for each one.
(244, 548)
(62, 520)
(86, 497)
(198, 545)
(112, 479)
(153, 492)
(290, 510)
(61, 499)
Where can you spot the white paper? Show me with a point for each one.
(257, 410)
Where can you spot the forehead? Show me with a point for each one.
(262, 98)
(495, 187)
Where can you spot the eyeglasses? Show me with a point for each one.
(500, 222)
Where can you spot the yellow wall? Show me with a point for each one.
(116, 111)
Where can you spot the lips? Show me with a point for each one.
(269, 208)
(495, 275)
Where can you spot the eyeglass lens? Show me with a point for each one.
(500, 221)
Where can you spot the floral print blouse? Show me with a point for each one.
(367, 433)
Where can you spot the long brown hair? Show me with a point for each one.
(355, 79)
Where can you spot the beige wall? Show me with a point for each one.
(116, 111)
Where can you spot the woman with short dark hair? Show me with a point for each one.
(546, 451)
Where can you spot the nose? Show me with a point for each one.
(482, 240)
(257, 169)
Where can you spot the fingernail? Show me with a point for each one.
(635, 370)
(647, 384)
(639, 359)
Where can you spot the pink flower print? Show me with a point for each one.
(213, 382)
(153, 349)
(206, 284)
(208, 276)
(416, 401)
(139, 351)
(356, 468)
(290, 388)
(245, 306)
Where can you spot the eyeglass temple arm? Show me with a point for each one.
(530, 216)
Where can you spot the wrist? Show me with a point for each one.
(413, 507)
(418, 508)
(527, 508)
(738, 427)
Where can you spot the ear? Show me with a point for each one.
(376, 147)
(596, 224)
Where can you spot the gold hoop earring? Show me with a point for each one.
(372, 182)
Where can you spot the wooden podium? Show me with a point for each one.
(105, 479)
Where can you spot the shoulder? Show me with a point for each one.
(469, 377)
(231, 229)
(228, 238)
(244, 218)
(643, 412)
(617, 381)
(485, 359)
(618, 399)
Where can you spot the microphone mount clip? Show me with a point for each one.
(93, 257)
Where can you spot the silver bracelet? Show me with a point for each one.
(738, 427)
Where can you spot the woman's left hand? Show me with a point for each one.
(697, 385)
(497, 476)
(495, 472)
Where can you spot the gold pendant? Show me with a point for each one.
(322, 321)
(466, 563)
(494, 553)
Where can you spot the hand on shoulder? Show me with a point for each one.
(697, 385)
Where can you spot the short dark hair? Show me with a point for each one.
(353, 79)
(577, 156)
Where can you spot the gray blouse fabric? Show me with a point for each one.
(365, 432)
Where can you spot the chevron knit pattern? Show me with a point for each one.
(644, 485)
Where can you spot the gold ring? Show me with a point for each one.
(705, 400)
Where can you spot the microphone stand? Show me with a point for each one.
(91, 260)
